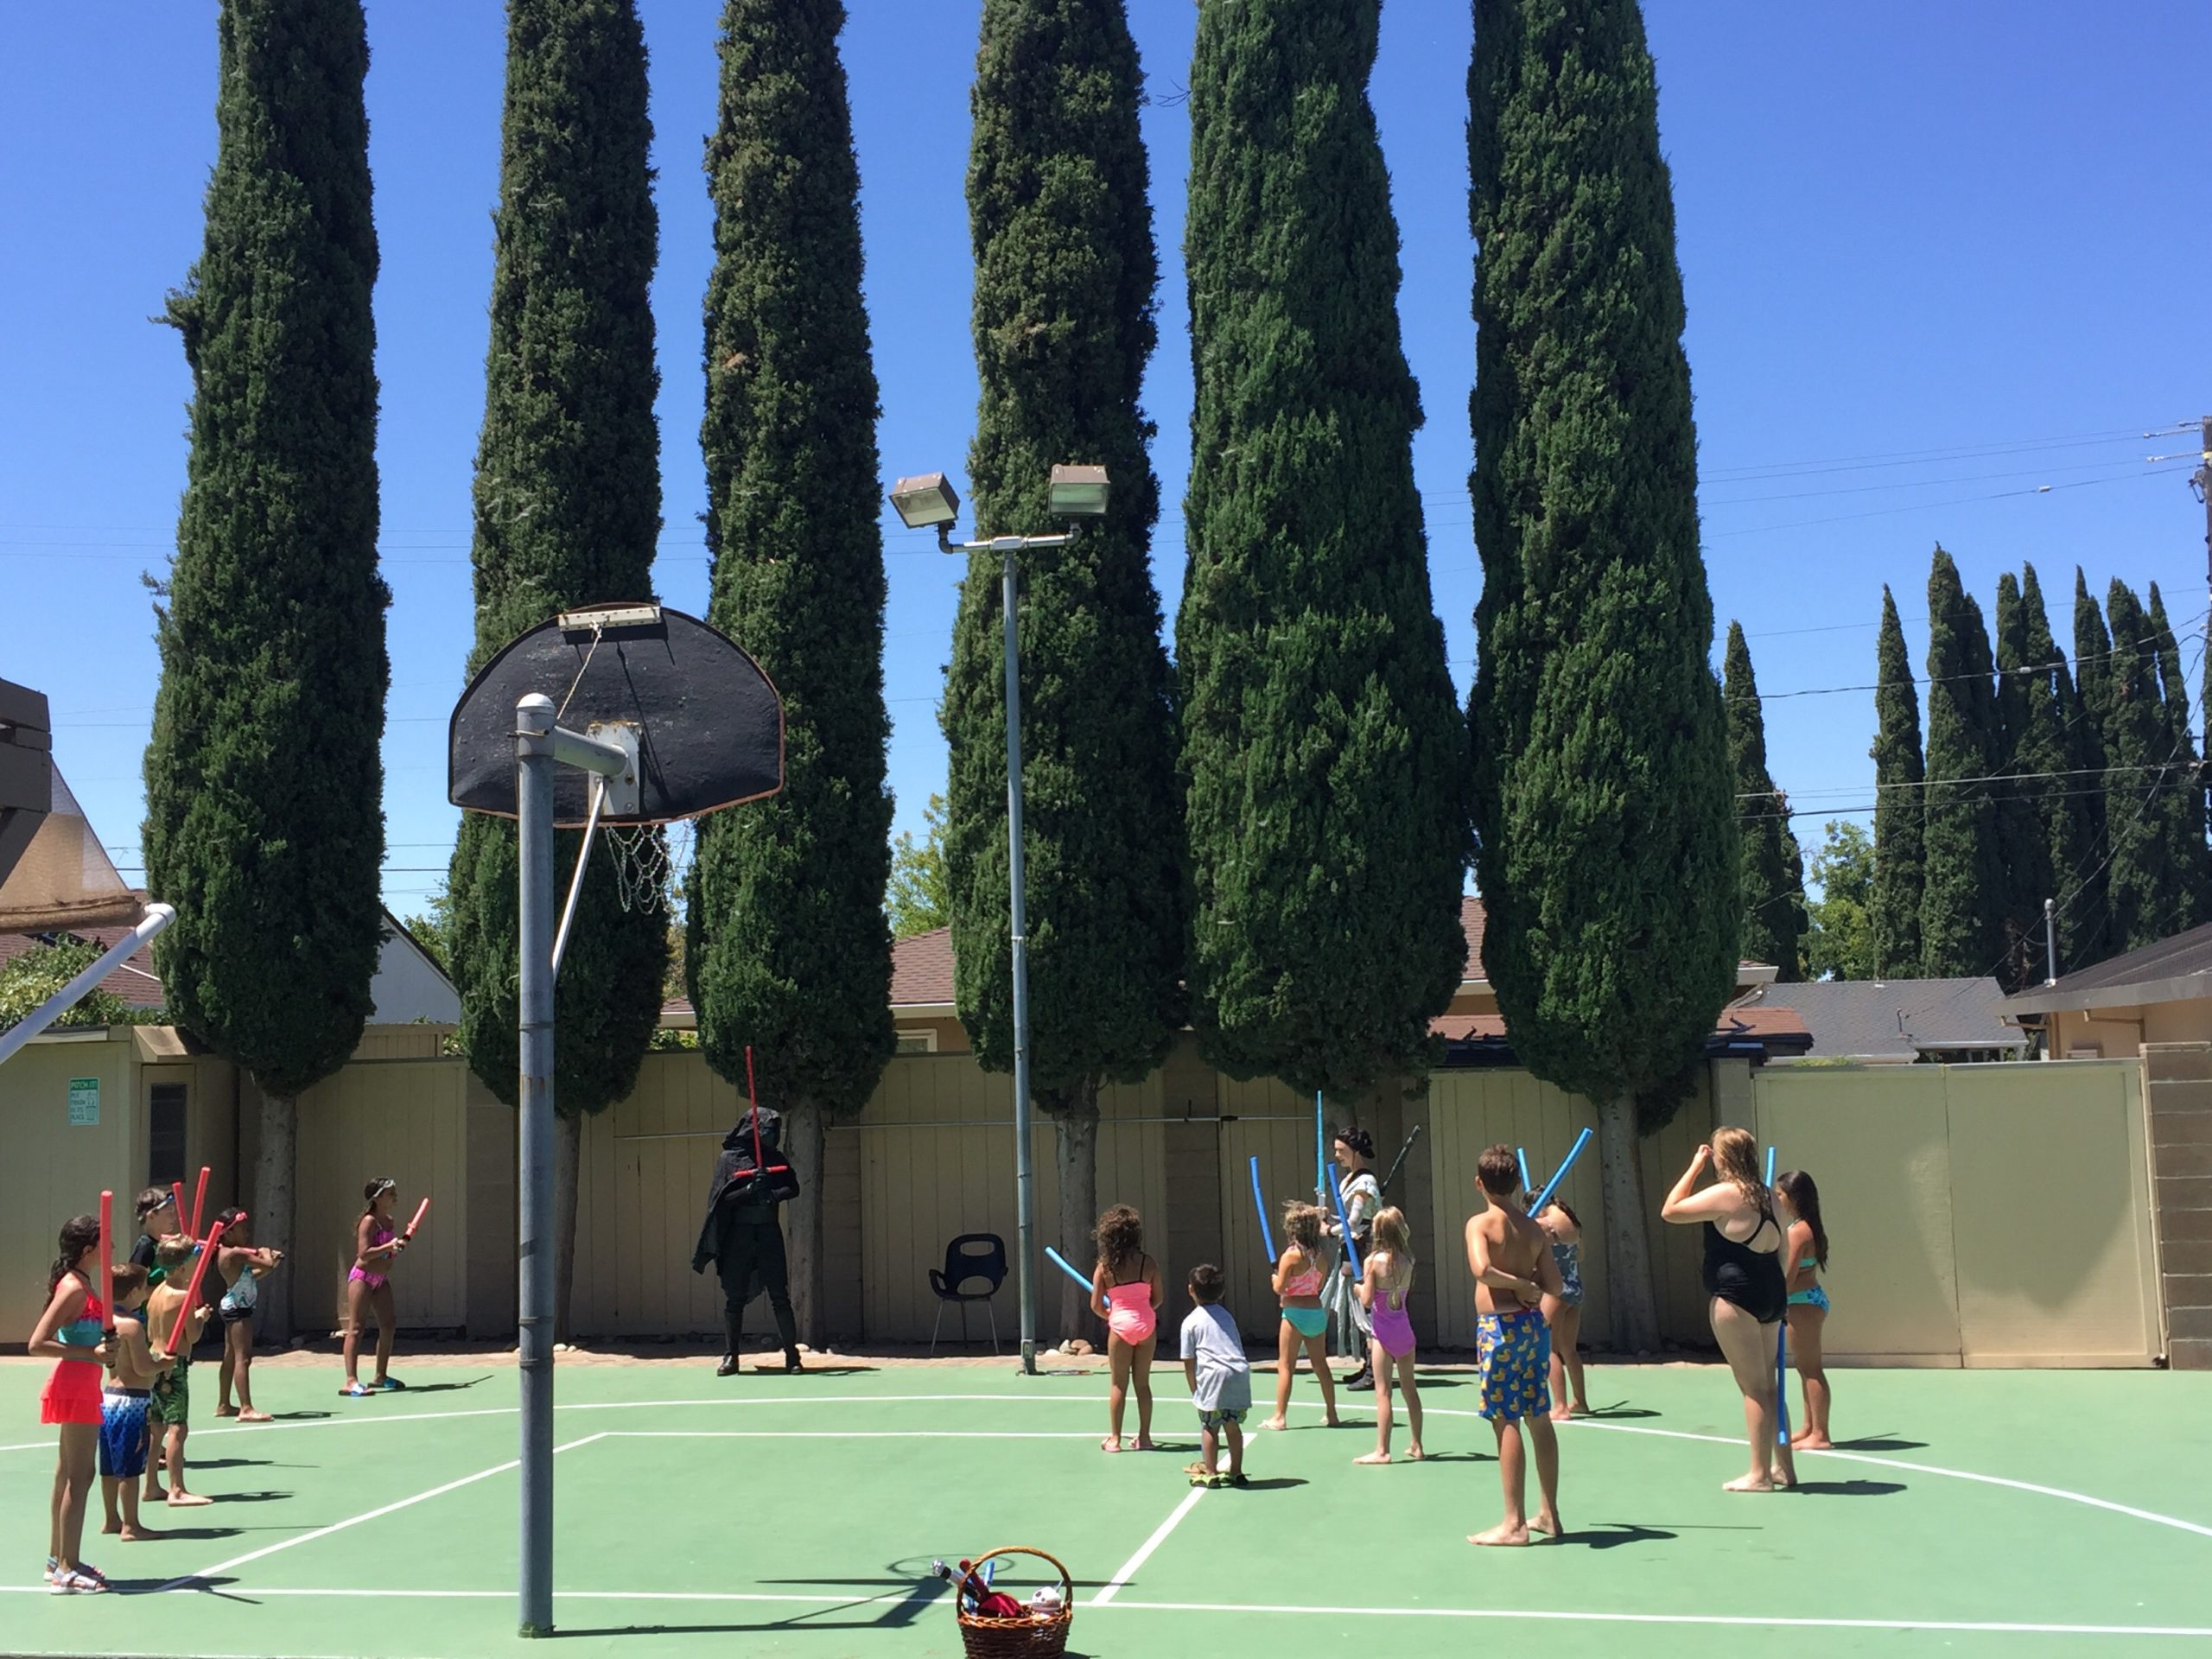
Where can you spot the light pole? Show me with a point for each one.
(927, 502)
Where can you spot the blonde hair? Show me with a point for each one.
(1301, 1224)
(1736, 1158)
(1393, 1239)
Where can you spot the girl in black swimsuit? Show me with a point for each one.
(1744, 1277)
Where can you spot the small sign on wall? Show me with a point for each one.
(84, 1103)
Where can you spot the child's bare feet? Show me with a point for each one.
(138, 1534)
(183, 1500)
(255, 1417)
(1547, 1522)
(111, 1526)
(1334, 1422)
(226, 1411)
(1749, 1484)
(1414, 1453)
(1582, 1409)
(1145, 1443)
(1374, 1457)
(153, 1495)
(1812, 1443)
(1275, 1422)
(1111, 1443)
(1504, 1533)
(1560, 1413)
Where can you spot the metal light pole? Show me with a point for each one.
(928, 502)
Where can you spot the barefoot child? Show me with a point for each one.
(156, 1212)
(377, 1245)
(243, 1268)
(123, 1406)
(1125, 1292)
(69, 1332)
(1297, 1280)
(1563, 1312)
(1511, 1259)
(1220, 1379)
(172, 1399)
(1797, 1204)
(1382, 1291)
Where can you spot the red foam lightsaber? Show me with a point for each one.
(192, 1290)
(199, 1201)
(176, 1203)
(107, 1262)
(421, 1210)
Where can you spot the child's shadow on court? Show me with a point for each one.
(249, 1497)
(429, 1388)
(1449, 1457)
(1850, 1488)
(1611, 1535)
(1272, 1484)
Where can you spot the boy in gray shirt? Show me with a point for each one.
(1220, 1380)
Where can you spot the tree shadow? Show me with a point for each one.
(895, 1614)
(1849, 1488)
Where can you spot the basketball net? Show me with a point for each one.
(650, 861)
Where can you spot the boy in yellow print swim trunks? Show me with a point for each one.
(1511, 1259)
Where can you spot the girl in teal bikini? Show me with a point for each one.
(1807, 1252)
(1297, 1281)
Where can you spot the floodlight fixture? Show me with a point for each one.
(1078, 491)
(925, 502)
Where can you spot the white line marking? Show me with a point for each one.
(1754, 1621)
(208, 1573)
(842, 1435)
(1128, 1568)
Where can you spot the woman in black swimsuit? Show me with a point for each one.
(1744, 1277)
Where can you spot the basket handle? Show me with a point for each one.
(1067, 1584)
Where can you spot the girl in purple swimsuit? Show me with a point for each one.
(1386, 1281)
(376, 1246)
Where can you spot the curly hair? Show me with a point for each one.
(1301, 1224)
(1120, 1235)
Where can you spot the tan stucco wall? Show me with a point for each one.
(2123, 1031)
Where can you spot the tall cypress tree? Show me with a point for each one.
(1602, 793)
(1764, 889)
(2085, 897)
(2182, 807)
(1963, 905)
(1324, 754)
(788, 949)
(1900, 805)
(2142, 774)
(1065, 276)
(568, 511)
(264, 783)
(2030, 750)
(2051, 747)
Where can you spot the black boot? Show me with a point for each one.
(1361, 1380)
(732, 1327)
(786, 1329)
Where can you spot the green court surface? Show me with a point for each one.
(1978, 1513)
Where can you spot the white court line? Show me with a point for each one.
(1740, 1620)
(208, 1573)
(1128, 1568)
(841, 1434)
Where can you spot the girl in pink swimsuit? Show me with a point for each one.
(376, 1246)
(1383, 1287)
(1125, 1292)
(1296, 1282)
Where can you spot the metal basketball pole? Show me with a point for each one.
(1024, 1175)
(539, 746)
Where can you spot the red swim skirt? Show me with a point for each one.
(72, 1394)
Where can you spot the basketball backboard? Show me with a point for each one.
(707, 727)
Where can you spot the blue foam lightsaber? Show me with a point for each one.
(1521, 1153)
(1536, 1204)
(1781, 1344)
(1259, 1203)
(1320, 1148)
(1351, 1250)
(1061, 1262)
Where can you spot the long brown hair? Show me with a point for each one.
(1736, 1158)
(79, 1234)
(1804, 1197)
(1120, 1233)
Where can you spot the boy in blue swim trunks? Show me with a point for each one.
(1511, 1259)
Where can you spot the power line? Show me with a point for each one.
(2025, 669)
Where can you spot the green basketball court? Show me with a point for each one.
(1979, 1512)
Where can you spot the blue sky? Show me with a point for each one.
(1937, 257)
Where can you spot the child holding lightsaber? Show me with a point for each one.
(1297, 1281)
(72, 1332)
(1125, 1291)
(368, 1286)
(243, 1266)
(175, 1318)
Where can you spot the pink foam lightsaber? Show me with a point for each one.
(107, 1261)
(199, 1202)
(192, 1289)
(421, 1210)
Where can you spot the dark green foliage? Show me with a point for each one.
(1840, 945)
(2084, 906)
(27, 981)
(2050, 745)
(1603, 795)
(2030, 745)
(1963, 905)
(789, 950)
(1900, 809)
(1792, 864)
(1065, 272)
(1767, 891)
(2181, 805)
(568, 499)
(1324, 754)
(919, 896)
(264, 783)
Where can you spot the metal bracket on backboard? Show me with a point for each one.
(608, 617)
(622, 790)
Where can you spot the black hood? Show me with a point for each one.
(741, 1138)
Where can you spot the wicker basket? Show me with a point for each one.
(1019, 1638)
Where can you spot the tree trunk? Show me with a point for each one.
(805, 1128)
(1075, 1143)
(568, 1138)
(276, 1169)
(1628, 1237)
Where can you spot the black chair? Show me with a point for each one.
(969, 1257)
